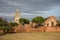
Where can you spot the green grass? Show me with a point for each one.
(32, 36)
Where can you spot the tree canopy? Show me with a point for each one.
(38, 19)
(24, 21)
(5, 26)
(3, 22)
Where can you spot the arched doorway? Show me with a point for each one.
(48, 24)
(52, 23)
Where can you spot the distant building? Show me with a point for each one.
(51, 21)
(17, 16)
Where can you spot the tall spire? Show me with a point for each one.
(17, 16)
(17, 12)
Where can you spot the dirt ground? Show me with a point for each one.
(32, 36)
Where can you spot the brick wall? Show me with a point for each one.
(28, 28)
(1, 30)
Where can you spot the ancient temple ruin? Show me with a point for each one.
(51, 21)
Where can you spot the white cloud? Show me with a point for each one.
(7, 14)
(30, 14)
(12, 3)
(42, 12)
(26, 14)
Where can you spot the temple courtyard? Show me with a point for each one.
(32, 36)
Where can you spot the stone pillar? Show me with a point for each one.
(55, 23)
(34, 24)
(50, 24)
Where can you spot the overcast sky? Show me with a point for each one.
(30, 8)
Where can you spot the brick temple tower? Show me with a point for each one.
(17, 16)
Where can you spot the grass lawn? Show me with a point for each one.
(32, 36)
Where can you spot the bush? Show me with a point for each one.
(13, 24)
(23, 21)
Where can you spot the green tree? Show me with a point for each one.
(13, 24)
(38, 20)
(4, 25)
(3, 22)
(23, 21)
(6, 28)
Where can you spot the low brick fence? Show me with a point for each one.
(28, 28)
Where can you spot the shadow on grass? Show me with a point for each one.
(2, 33)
